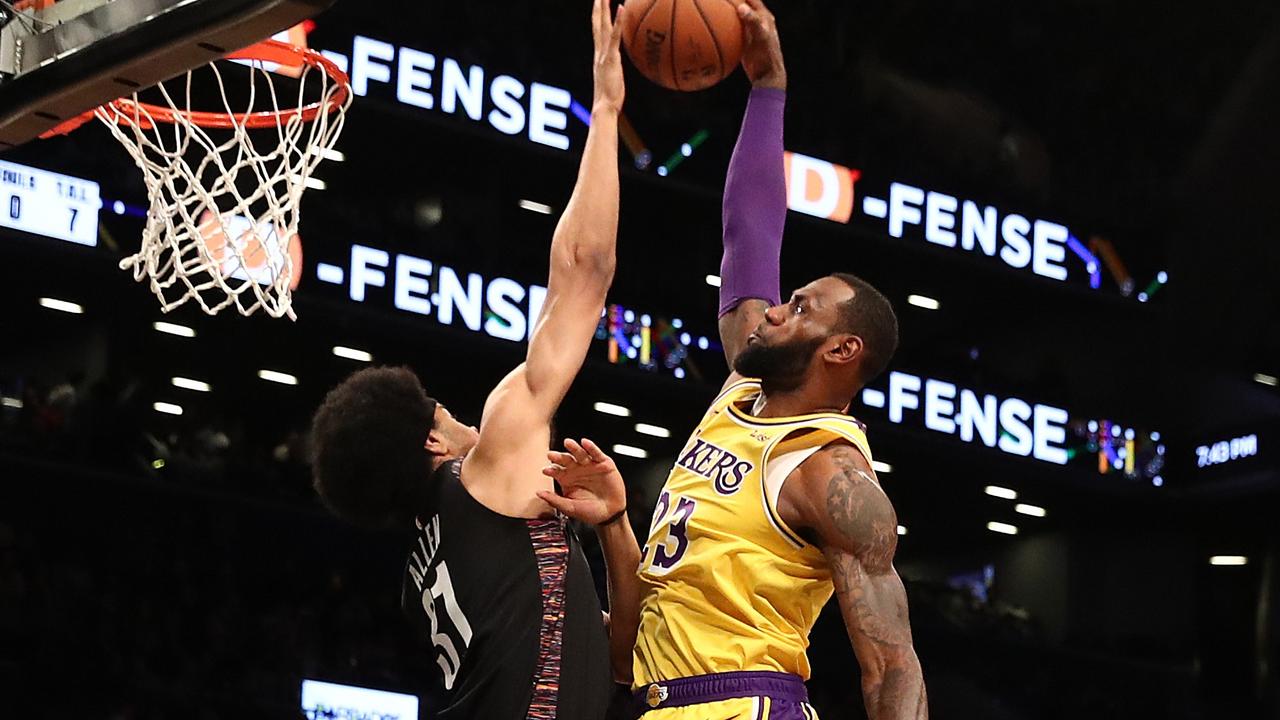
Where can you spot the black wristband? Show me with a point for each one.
(612, 519)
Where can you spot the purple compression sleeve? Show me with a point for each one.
(755, 205)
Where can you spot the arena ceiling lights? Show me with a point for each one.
(1032, 510)
(189, 384)
(612, 409)
(630, 451)
(167, 408)
(352, 353)
(653, 430)
(923, 301)
(277, 377)
(173, 329)
(61, 306)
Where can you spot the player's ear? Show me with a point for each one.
(842, 349)
(436, 443)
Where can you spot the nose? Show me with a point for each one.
(775, 314)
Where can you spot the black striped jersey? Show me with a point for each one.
(508, 608)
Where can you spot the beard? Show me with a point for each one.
(779, 367)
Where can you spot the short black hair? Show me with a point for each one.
(369, 463)
(870, 316)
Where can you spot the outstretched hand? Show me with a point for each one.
(762, 51)
(591, 488)
(607, 32)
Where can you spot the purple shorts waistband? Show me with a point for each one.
(720, 686)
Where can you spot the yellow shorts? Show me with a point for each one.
(748, 708)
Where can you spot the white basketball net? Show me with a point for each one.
(223, 221)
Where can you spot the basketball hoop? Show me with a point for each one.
(223, 217)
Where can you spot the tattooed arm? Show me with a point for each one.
(834, 499)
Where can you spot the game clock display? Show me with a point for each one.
(1235, 451)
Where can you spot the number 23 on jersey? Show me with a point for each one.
(669, 533)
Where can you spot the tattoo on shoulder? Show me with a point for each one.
(860, 512)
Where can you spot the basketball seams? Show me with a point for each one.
(715, 39)
(734, 4)
(671, 41)
(667, 66)
(639, 23)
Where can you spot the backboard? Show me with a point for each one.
(61, 59)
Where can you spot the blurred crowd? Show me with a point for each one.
(174, 606)
(109, 425)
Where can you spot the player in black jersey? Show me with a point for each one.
(495, 582)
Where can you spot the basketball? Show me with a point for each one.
(683, 44)
(262, 261)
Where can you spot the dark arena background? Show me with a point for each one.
(1080, 433)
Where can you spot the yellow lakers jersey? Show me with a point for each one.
(726, 584)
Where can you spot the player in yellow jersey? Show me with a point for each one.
(772, 505)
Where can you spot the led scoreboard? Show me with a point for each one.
(49, 204)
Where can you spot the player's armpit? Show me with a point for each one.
(514, 435)
(736, 325)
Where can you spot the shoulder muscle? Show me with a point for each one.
(836, 496)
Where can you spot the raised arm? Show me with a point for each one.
(834, 496)
(515, 427)
(755, 189)
(583, 249)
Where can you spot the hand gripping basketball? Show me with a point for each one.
(762, 50)
(590, 485)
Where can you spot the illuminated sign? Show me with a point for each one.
(331, 701)
(826, 190)
(819, 188)
(1017, 427)
(499, 307)
(1014, 426)
(421, 79)
(1233, 452)
(1225, 451)
(944, 220)
(653, 343)
(505, 309)
(49, 204)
